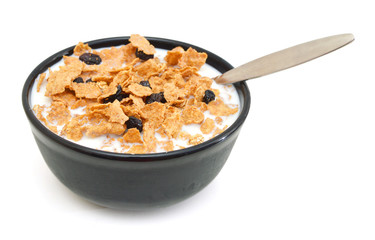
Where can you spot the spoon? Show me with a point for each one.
(284, 59)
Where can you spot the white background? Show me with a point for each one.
(303, 166)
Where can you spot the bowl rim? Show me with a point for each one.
(163, 43)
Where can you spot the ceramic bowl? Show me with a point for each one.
(138, 181)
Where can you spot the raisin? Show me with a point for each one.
(113, 97)
(109, 99)
(78, 80)
(156, 97)
(89, 80)
(134, 122)
(90, 59)
(208, 96)
(145, 84)
(122, 96)
(143, 56)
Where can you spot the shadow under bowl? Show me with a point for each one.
(139, 181)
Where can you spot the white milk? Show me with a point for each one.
(227, 92)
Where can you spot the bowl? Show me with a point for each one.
(139, 181)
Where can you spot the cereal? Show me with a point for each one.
(156, 84)
(174, 55)
(172, 125)
(219, 130)
(105, 127)
(81, 48)
(184, 135)
(58, 81)
(67, 97)
(149, 68)
(173, 93)
(192, 114)
(112, 111)
(38, 110)
(107, 79)
(196, 139)
(133, 136)
(137, 149)
(72, 130)
(219, 108)
(88, 90)
(115, 113)
(139, 90)
(208, 126)
(218, 120)
(142, 44)
(167, 145)
(58, 113)
(112, 57)
(41, 79)
(153, 113)
(131, 98)
(192, 58)
(149, 137)
(137, 101)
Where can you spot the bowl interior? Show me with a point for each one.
(213, 60)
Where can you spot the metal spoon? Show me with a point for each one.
(284, 59)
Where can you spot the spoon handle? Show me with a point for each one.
(284, 59)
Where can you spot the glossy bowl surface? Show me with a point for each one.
(138, 181)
